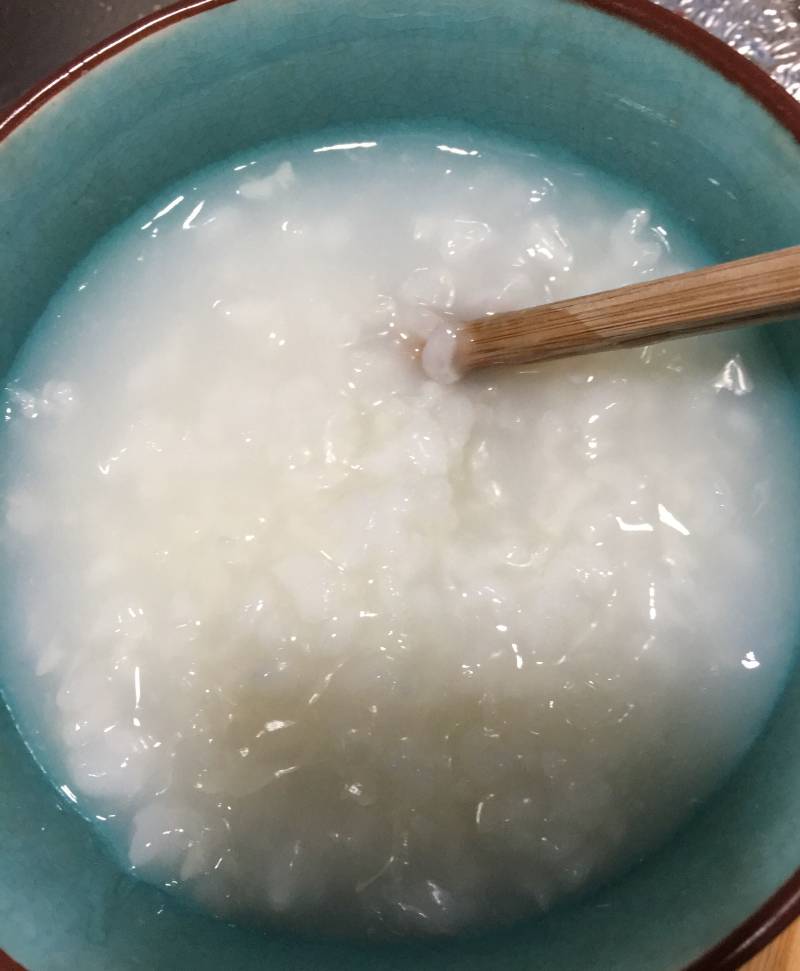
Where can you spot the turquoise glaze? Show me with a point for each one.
(253, 70)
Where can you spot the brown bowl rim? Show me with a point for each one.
(783, 906)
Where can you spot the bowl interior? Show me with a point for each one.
(553, 71)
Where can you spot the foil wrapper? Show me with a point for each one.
(765, 31)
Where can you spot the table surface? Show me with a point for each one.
(36, 38)
(39, 36)
(782, 955)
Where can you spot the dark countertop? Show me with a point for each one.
(38, 36)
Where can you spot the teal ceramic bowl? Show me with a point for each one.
(631, 88)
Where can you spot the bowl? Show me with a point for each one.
(629, 87)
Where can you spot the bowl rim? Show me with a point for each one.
(783, 907)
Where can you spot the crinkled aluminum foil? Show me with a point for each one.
(766, 31)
